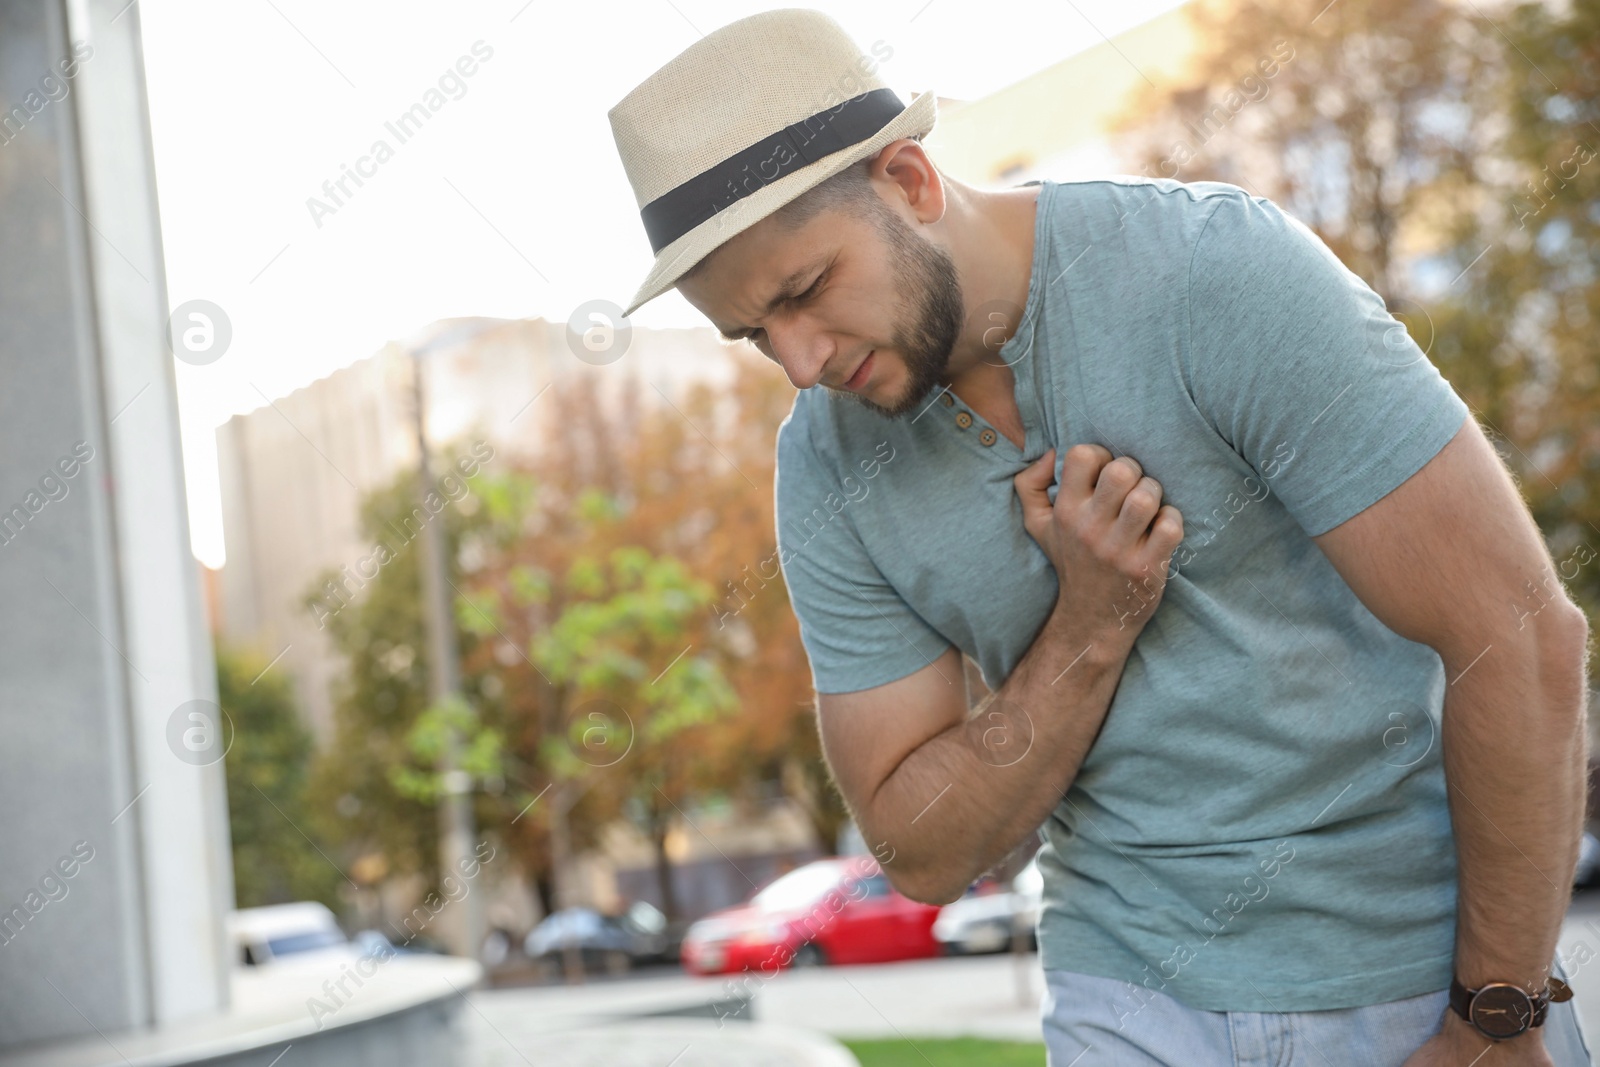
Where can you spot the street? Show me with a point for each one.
(986, 996)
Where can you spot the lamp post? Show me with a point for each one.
(456, 826)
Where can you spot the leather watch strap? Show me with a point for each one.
(1555, 992)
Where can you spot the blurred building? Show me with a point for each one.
(294, 473)
(1061, 122)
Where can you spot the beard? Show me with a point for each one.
(932, 310)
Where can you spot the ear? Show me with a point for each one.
(903, 172)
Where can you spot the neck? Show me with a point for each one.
(991, 241)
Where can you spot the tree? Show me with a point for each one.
(673, 496)
(1540, 273)
(266, 764)
(616, 586)
(376, 623)
(626, 698)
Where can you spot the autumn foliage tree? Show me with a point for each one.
(1450, 155)
(626, 643)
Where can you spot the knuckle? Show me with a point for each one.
(1116, 475)
(1100, 452)
(1084, 455)
(1142, 499)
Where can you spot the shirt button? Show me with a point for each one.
(949, 401)
(963, 419)
(987, 437)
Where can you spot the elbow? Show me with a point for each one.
(1565, 641)
(1574, 649)
(926, 886)
(1579, 623)
(1548, 647)
(1561, 664)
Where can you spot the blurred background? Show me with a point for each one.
(396, 660)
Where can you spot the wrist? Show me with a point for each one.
(1077, 645)
(1502, 1011)
(1466, 1039)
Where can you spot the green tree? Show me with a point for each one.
(625, 670)
(629, 616)
(381, 710)
(582, 570)
(268, 813)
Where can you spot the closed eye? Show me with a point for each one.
(811, 292)
(797, 299)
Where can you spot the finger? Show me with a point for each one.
(1037, 476)
(1080, 469)
(1033, 489)
(1165, 534)
(1139, 509)
(1117, 478)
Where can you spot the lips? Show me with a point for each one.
(859, 378)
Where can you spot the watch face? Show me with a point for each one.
(1502, 1010)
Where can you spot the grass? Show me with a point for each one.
(947, 1052)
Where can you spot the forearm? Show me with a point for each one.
(1516, 756)
(963, 799)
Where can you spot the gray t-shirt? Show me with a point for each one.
(1261, 824)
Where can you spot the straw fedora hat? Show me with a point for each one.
(743, 121)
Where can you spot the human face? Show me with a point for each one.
(866, 307)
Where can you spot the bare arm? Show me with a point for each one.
(1452, 559)
(950, 793)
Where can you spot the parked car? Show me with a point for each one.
(985, 921)
(836, 910)
(612, 943)
(377, 944)
(301, 931)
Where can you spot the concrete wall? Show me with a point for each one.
(114, 859)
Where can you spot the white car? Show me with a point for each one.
(986, 922)
(302, 931)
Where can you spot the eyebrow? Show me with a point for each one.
(789, 288)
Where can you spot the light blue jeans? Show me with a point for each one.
(1082, 1013)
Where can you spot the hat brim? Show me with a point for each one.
(675, 260)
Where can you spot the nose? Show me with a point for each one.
(800, 349)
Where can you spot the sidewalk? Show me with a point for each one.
(983, 996)
(979, 996)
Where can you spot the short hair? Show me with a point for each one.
(849, 191)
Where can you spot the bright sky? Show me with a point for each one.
(510, 202)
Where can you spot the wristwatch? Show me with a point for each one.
(1500, 1009)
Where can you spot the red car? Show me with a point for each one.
(837, 910)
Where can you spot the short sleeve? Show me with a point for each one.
(857, 630)
(1300, 367)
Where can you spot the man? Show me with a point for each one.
(1247, 581)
